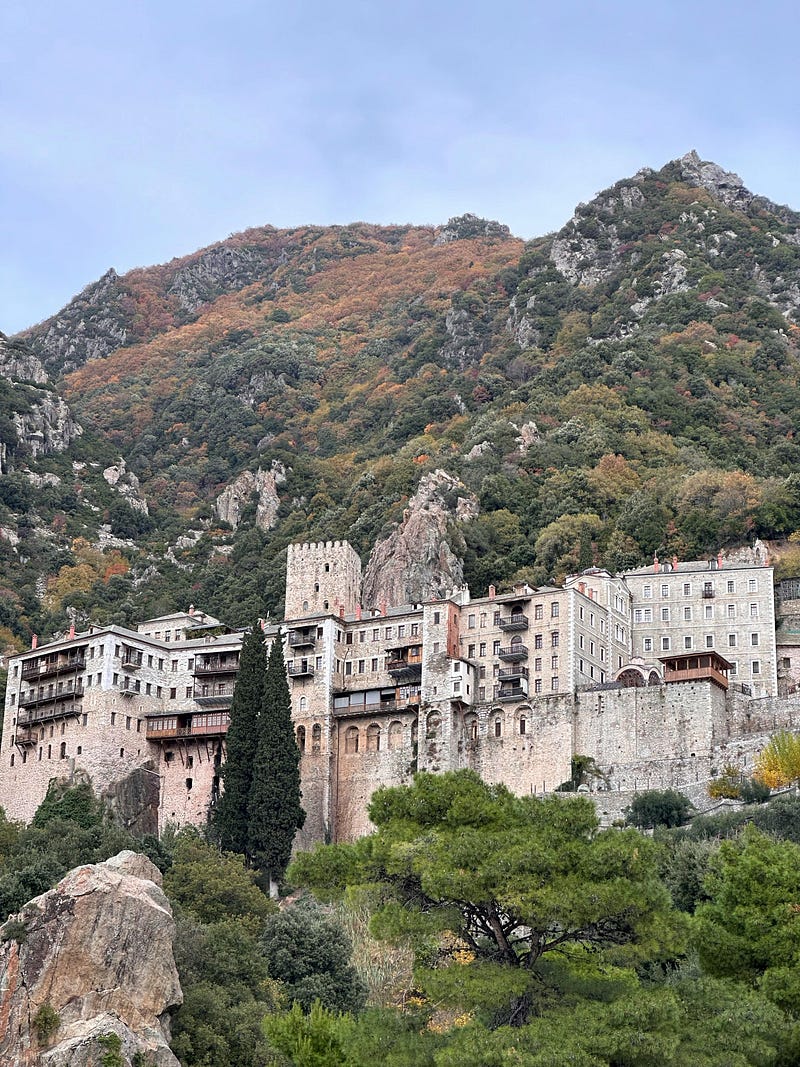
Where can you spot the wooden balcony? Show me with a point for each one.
(215, 665)
(409, 667)
(699, 667)
(42, 699)
(31, 671)
(48, 712)
(171, 728)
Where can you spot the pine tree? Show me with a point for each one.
(275, 811)
(230, 814)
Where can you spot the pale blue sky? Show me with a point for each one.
(131, 133)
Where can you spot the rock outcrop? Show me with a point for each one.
(91, 958)
(415, 562)
(126, 484)
(234, 498)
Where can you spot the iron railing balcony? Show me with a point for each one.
(38, 700)
(513, 693)
(302, 639)
(512, 673)
(517, 621)
(212, 696)
(45, 713)
(514, 653)
(300, 670)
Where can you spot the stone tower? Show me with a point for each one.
(322, 577)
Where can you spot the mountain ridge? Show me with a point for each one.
(651, 343)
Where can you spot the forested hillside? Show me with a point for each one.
(623, 387)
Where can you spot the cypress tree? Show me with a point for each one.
(275, 811)
(230, 815)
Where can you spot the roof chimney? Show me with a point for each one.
(191, 609)
(719, 561)
(358, 611)
(72, 632)
(383, 607)
(674, 563)
(341, 611)
(35, 641)
(492, 592)
(656, 564)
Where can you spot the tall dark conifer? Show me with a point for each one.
(275, 811)
(230, 816)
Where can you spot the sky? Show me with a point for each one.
(135, 132)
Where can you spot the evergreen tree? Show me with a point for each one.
(230, 814)
(275, 811)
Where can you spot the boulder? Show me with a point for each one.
(88, 960)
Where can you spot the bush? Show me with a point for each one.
(657, 807)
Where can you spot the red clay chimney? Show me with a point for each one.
(35, 641)
(492, 592)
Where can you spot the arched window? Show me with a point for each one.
(414, 732)
(316, 737)
(351, 739)
(305, 605)
(63, 752)
(301, 738)
(516, 640)
(498, 727)
(395, 735)
(303, 703)
(433, 724)
(471, 727)
(523, 724)
(373, 738)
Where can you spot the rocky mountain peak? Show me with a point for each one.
(723, 185)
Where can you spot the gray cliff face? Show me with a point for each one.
(93, 324)
(97, 952)
(723, 185)
(234, 499)
(42, 421)
(415, 562)
(222, 269)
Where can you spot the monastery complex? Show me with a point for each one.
(662, 675)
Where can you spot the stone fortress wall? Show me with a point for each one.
(512, 685)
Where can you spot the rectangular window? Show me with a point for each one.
(637, 614)
(496, 648)
(709, 640)
(730, 586)
(348, 668)
(665, 614)
(687, 589)
(318, 663)
(647, 592)
(648, 614)
(362, 636)
(374, 663)
(415, 629)
(537, 641)
(554, 639)
(731, 640)
(734, 668)
(554, 610)
(731, 611)
(754, 611)
(188, 692)
(387, 632)
(436, 646)
(401, 630)
(709, 611)
(174, 666)
(665, 644)
(537, 685)
(161, 664)
(538, 611)
(752, 585)
(471, 652)
(687, 642)
(756, 666)
(147, 689)
(753, 639)
(173, 694)
(537, 663)
(158, 691)
(471, 622)
(554, 685)
(496, 618)
(348, 639)
(648, 644)
(687, 614)
(482, 649)
(554, 663)
(437, 617)
(361, 666)
(481, 692)
(376, 635)
(665, 590)
(482, 672)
